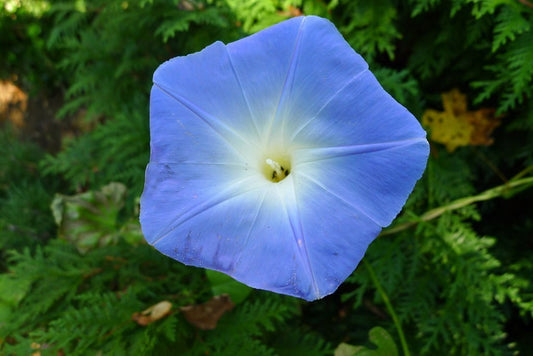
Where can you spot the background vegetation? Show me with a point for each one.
(452, 276)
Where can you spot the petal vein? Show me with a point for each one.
(287, 85)
(233, 191)
(209, 120)
(309, 155)
(350, 204)
(295, 222)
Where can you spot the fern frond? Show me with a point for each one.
(510, 22)
(513, 74)
(369, 27)
(115, 151)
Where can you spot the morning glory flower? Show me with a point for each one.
(276, 159)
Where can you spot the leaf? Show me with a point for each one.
(205, 316)
(456, 126)
(379, 337)
(12, 292)
(221, 283)
(89, 220)
(154, 313)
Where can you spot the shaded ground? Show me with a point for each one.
(34, 116)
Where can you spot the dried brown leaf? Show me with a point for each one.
(205, 316)
(154, 313)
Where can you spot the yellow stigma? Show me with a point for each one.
(276, 170)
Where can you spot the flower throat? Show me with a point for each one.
(276, 170)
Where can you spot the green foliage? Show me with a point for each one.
(501, 29)
(33, 7)
(238, 332)
(17, 159)
(255, 15)
(223, 284)
(25, 217)
(379, 337)
(114, 151)
(112, 61)
(446, 284)
(24, 27)
(68, 290)
(90, 306)
(91, 219)
(512, 73)
(459, 282)
(368, 26)
(401, 85)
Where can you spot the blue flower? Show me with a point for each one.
(276, 159)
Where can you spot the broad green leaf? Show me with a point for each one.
(224, 284)
(385, 345)
(11, 293)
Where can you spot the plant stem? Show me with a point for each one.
(460, 203)
(388, 304)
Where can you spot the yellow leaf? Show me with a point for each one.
(456, 126)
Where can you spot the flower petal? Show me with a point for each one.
(292, 238)
(174, 193)
(238, 232)
(295, 92)
(361, 113)
(376, 179)
(206, 83)
(324, 65)
(192, 166)
(334, 234)
(301, 58)
(263, 63)
(181, 135)
(371, 143)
